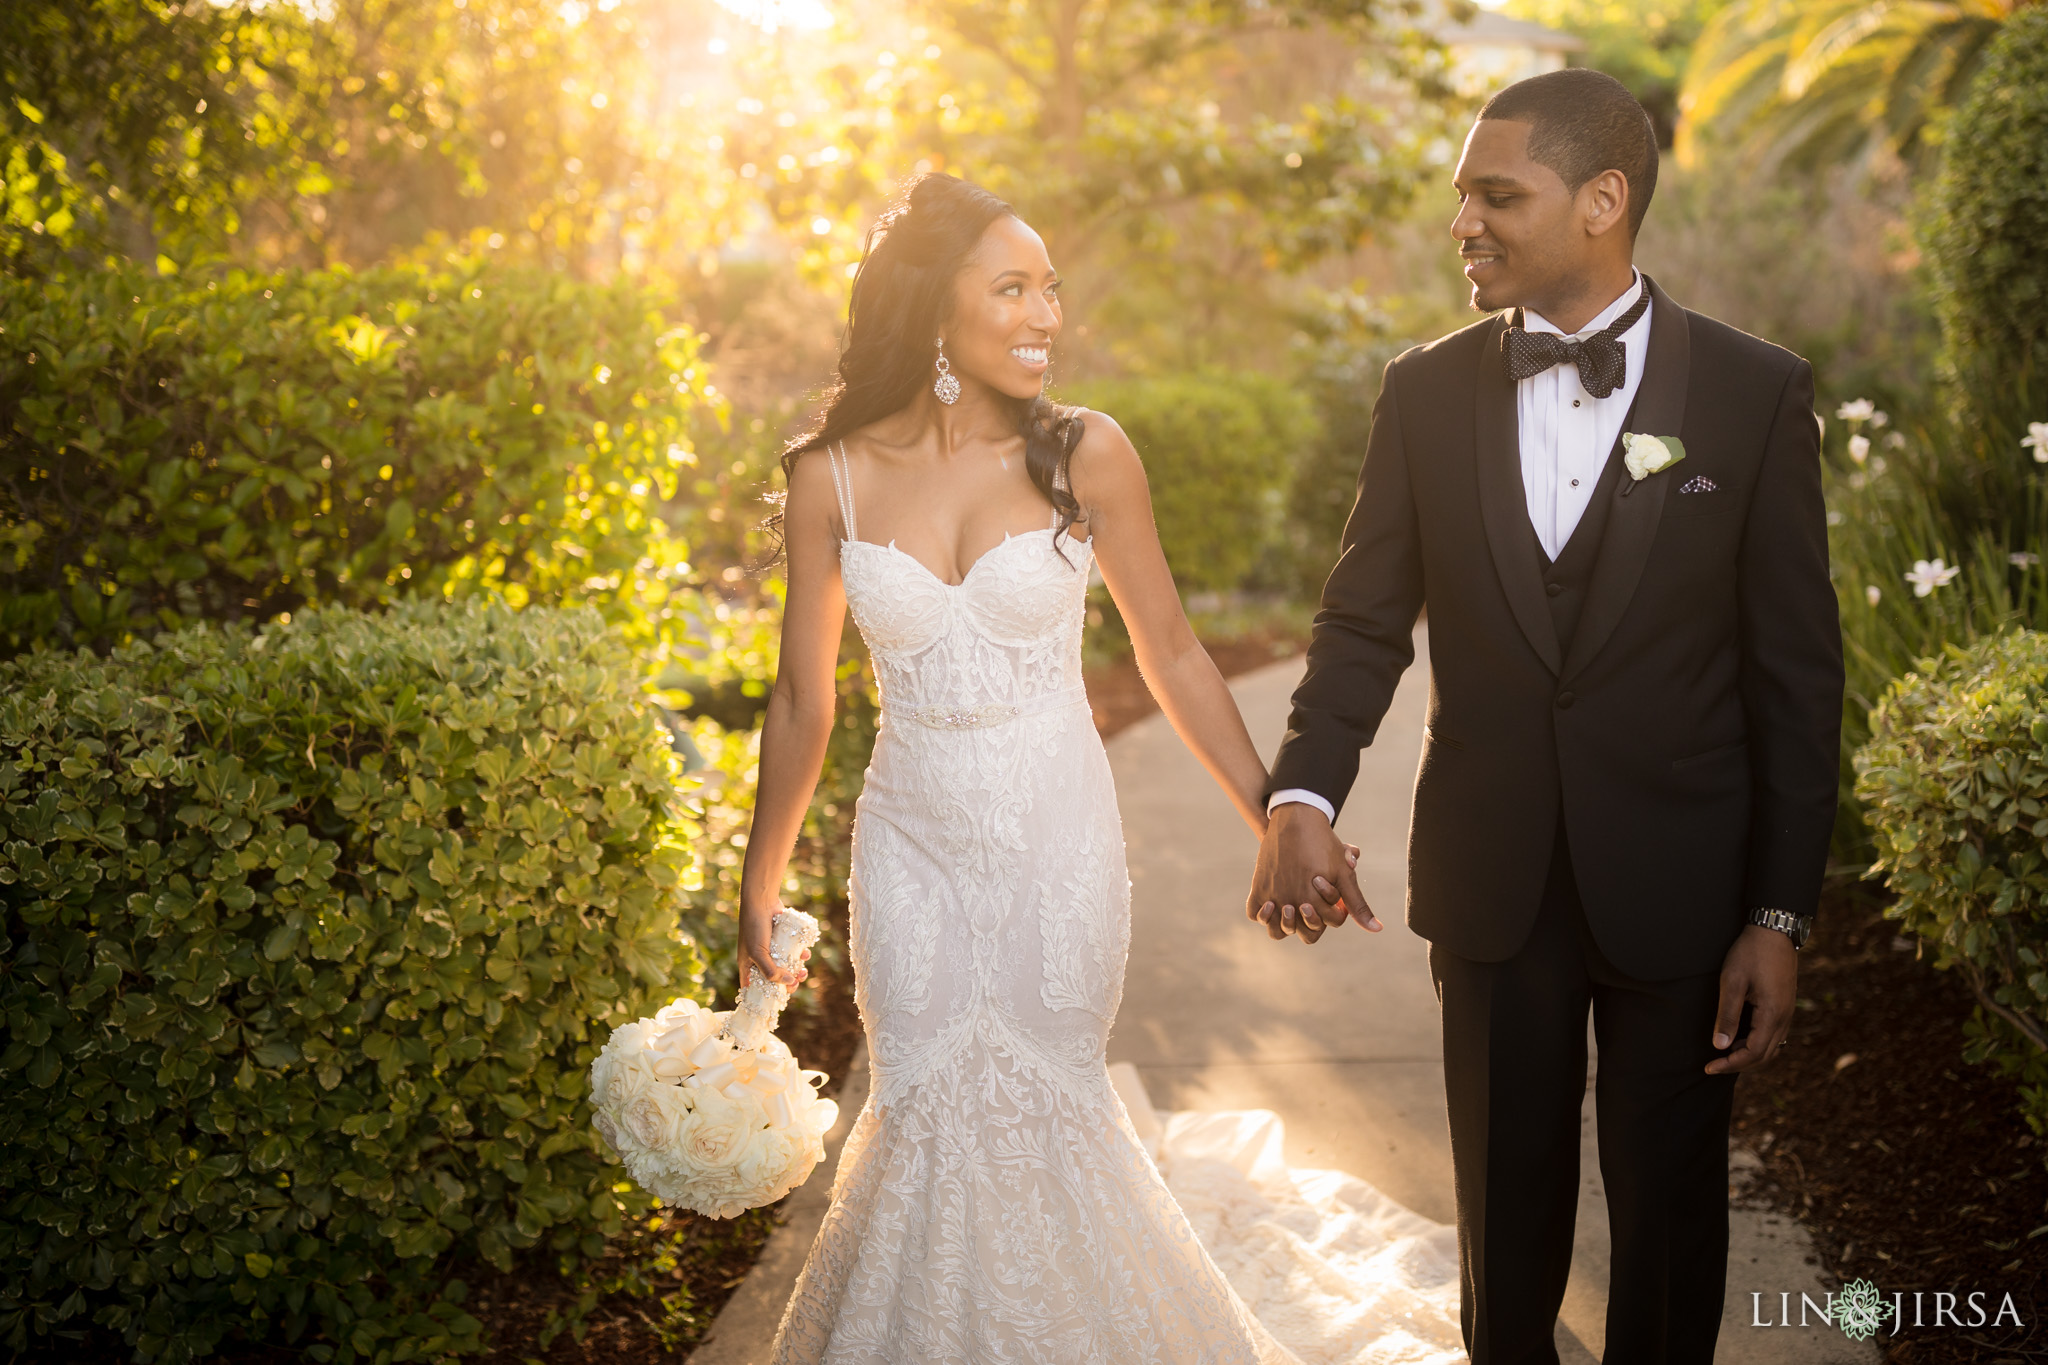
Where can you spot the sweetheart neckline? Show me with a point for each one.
(980, 559)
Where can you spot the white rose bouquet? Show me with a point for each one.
(710, 1111)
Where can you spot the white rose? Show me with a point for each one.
(1646, 455)
(763, 1159)
(631, 1077)
(715, 1132)
(656, 1118)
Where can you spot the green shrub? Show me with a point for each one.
(235, 445)
(1220, 452)
(1989, 241)
(310, 938)
(1956, 779)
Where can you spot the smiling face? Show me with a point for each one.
(1006, 311)
(1526, 238)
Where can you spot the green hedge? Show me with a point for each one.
(1989, 243)
(310, 938)
(1220, 452)
(235, 445)
(1956, 780)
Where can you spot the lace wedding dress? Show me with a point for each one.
(994, 1202)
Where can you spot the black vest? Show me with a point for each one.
(1566, 577)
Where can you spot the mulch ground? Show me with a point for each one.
(1912, 1168)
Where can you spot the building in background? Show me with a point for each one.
(1491, 50)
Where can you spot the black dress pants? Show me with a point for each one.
(1515, 1080)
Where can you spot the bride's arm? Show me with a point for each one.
(798, 720)
(1109, 482)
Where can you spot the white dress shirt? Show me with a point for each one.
(1567, 433)
(1566, 436)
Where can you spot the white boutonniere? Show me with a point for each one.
(1645, 455)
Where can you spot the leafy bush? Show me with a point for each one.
(1956, 777)
(236, 445)
(1990, 236)
(1219, 451)
(310, 938)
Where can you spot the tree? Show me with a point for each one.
(345, 133)
(1645, 46)
(1188, 154)
(120, 122)
(1820, 82)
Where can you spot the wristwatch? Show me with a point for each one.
(1798, 928)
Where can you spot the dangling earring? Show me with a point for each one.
(947, 385)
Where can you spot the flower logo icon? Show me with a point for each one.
(1860, 1310)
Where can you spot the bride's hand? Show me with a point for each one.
(757, 925)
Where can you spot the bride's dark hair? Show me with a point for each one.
(902, 294)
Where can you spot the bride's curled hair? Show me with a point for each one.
(902, 295)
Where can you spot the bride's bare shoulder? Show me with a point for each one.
(812, 497)
(1105, 463)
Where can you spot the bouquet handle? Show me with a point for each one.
(760, 1004)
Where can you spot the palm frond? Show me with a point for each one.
(1833, 81)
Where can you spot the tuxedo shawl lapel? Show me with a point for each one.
(1503, 504)
(1634, 513)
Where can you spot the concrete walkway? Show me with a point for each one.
(1343, 1039)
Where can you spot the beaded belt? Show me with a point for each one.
(968, 716)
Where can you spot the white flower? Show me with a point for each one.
(677, 1011)
(1646, 455)
(1873, 594)
(1880, 419)
(1859, 410)
(1859, 448)
(2024, 559)
(2037, 441)
(1895, 441)
(655, 1117)
(1929, 574)
(715, 1132)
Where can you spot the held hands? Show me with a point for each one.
(757, 924)
(1306, 879)
(1762, 968)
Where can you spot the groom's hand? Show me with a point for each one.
(1762, 969)
(1304, 881)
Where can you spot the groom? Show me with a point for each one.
(1628, 776)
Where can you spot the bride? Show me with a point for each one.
(994, 1201)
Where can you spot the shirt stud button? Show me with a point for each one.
(1575, 402)
(1575, 483)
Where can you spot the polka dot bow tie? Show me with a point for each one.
(1602, 362)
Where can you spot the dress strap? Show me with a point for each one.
(842, 484)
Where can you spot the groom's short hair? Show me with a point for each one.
(1582, 122)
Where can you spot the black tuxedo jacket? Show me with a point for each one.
(1689, 730)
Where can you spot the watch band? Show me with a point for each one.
(1796, 927)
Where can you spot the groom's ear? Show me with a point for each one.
(1604, 201)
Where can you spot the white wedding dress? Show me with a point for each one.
(994, 1202)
